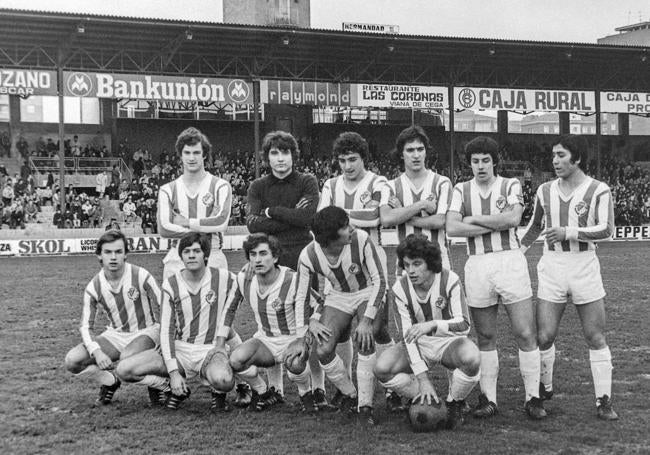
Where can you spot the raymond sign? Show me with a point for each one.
(625, 102)
(27, 82)
(524, 100)
(354, 95)
(158, 88)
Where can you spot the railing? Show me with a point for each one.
(80, 164)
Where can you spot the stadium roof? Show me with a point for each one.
(31, 39)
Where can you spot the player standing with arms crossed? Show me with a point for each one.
(358, 191)
(487, 210)
(130, 297)
(574, 211)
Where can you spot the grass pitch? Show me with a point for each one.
(44, 409)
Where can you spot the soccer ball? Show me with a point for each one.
(427, 417)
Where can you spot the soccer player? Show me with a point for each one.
(433, 317)
(575, 211)
(416, 201)
(282, 204)
(487, 210)
(197, 201)
(349, 261)
(193, 301)
(358, 191)
(271, 292)
(130, 297)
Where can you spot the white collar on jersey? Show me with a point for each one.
(255, 285)
(104, 281)
(427, 298)
(196, 288)
(425, 182)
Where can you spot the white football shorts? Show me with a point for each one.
(432, 348)
(499, 275)
(120, 340)
(191, 356)
(277, 345)
(562, 274)
(347, 302)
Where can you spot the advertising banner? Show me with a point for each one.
(158, 88)
(27, 82)
(524, 100)
(370, 28)
(625, 102)
(401, 96)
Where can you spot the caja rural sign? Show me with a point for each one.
(25, 83)
(524, 100)
(157, 88)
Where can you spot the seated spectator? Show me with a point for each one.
(57, 219)
(128, 210)
(111, 191)
(8, 193)
(147, 213)
(17, 215)
(113, 224)
(31, 211)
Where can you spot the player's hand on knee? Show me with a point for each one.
(103, 361)
(177, 383)
(296, 355)
(363, 336)
(416, 331)
(319, 330)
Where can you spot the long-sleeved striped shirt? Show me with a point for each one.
(358, 267)
(444, 303)
(207, 209)
(358, 202)
(192, 314)
(467, 199)
(275, 310)
(134, 305)
(587, 214)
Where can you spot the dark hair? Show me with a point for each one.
(575, 144)
(111, 236)
(412, 133)
(326, 224)
(192, 136)
(190, 239)
(350, 142)
(482, 145)
(255, 240)
(282, 141)
(418, 246)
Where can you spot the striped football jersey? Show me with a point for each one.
(208, 209)
(587, 214)
(193, 314)
(436, 187)
(468, 200)
(133, 306)
(360, 203)
(358, 267)
(275, 310)
(445, 303)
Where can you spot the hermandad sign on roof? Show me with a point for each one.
(354, 95)
(158, 88)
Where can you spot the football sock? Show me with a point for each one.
(234, 341)
(346, 352)
(274, 378)
(302, 380)
(335, 371)
(547, 358)
(461, 385)
(380, 348)
(601, 370)
(93, 372)
(366, 378)
(317, 374)
(253, 379)
(404, 384)
(156, 382)
(489, 374)
(529, 366)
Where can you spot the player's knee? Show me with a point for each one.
(325, 350)
(526, 338)
(221, 379)
(545, 339)
(596, 340)
(73, 363)
(469, 358)
(124, 372)
(382, 369)
(297, 366)
(237, 362)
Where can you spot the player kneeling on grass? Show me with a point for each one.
(270, 290)
(433, 317)
(130, 297)
(349, 261)
(193, 301)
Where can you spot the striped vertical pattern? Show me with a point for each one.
(468, 200)
(208, 208)
(132, 307)
(436, 187)
(354, 201)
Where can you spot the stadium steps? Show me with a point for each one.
(12, 164)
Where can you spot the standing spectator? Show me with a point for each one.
(8, 193)
(17, 217)
(138, 167)
(101, 180)
(116, 176)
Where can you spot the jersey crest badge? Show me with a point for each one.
(441, 303)
(276, 304)
(211, 297)
(431, 197)
(582, 208)
(133, 294)
(365, 197)
(502, 203)
(207, 199)
(354, 268)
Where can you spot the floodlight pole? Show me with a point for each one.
(59, 84)
(598, 132)
(452, 136)
(256, 125)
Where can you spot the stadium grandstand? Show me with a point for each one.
(128, 86)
